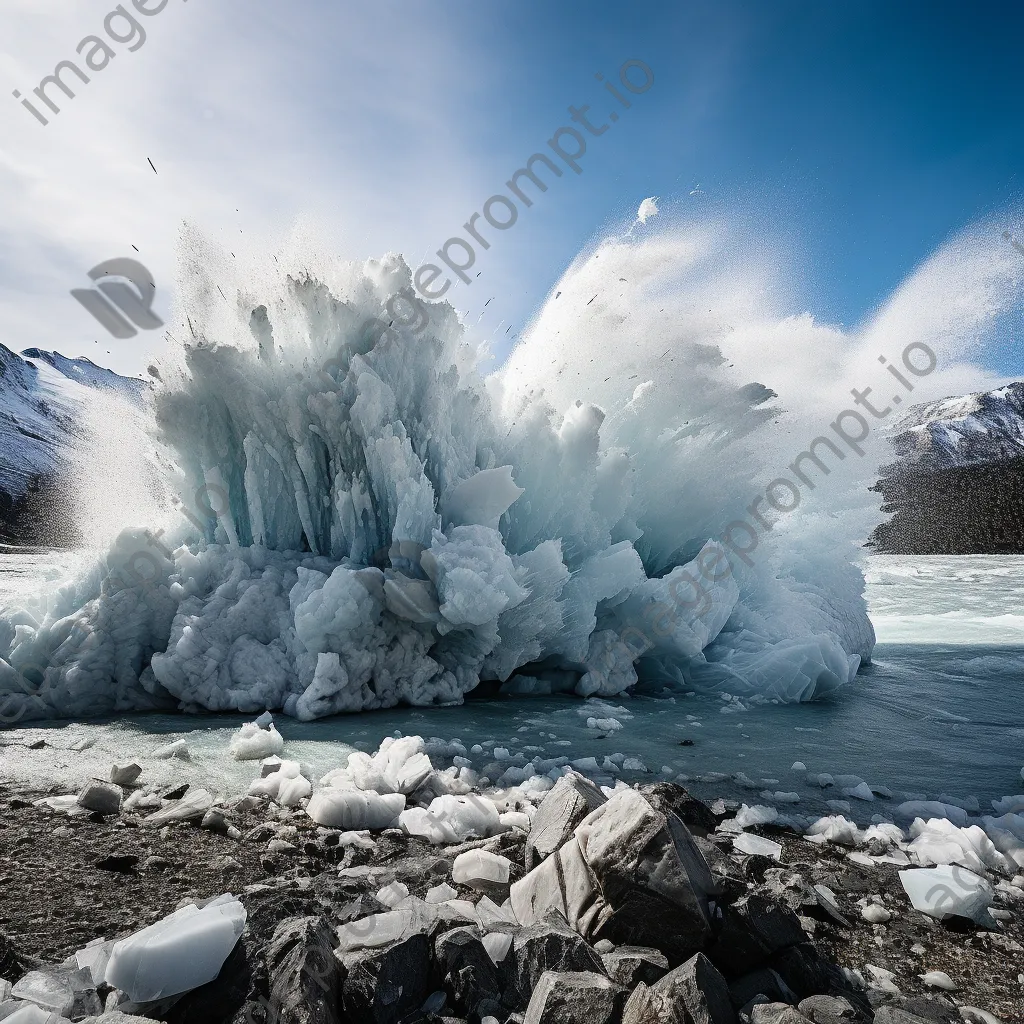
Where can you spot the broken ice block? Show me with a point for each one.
(748, 843)
(948, 891)
(481, 870)
(354, 809)
(183, 951)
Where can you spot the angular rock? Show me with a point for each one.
(753, 929)
(830, 1010)
(571, 799)
(653, 881)
(383, 986)
(101, 798)
(468, 973)
(668, 797)
(895, 1015)
(808, 973)
(630, 965)
(305, 976)
(549, 946)
(694, 993)
(125, 775)
(776, 1013)
(562, 883)
(762, 982)
(574, 998)
(61, 990)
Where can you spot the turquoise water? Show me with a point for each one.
(937, 713)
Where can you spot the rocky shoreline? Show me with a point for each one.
(629, 904)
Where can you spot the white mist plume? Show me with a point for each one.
(396, 529)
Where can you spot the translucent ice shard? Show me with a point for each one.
(179, 953)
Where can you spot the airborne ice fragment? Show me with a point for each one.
(179, 953)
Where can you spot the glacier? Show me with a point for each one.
(364, 519)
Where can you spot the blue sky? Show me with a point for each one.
(849, 139)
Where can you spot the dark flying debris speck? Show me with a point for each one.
(151, 164)
(591, 300)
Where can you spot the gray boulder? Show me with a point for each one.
(100, 797)
(831, 1010)
(630, 874)
(549, 946)
(694, 993)
(653, 881)
(125, 775)
(894, 1015)
(305, 976)
(565, 806)
(630, 965)
(384, 986)
(574, 998)
(753, 929)
(776, 1013)
(468, 974)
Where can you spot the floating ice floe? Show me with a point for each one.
(253, 742)
(183, 951)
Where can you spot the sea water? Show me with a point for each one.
(937, 713)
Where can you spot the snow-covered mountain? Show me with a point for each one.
(957, 485)
(41, 398)
(966, 431)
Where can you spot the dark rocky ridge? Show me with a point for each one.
(774, 936)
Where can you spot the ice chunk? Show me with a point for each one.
(179, 953)
(481, 870)
(353, 809)
(393, 894)
(939, 841)
(482, 499)
(62, 990)
(932, 809)
(286, 784)
(178, 748)
(253, 743)
(747, 842)
(192, 806)
(949, 891)
(836, 829)
(398, 766)
(497, 945)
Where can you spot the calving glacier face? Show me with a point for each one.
(386, 532)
